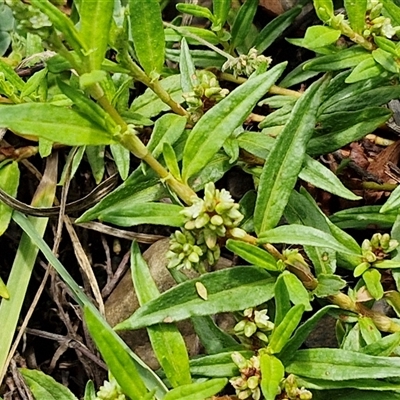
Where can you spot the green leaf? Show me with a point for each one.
(372, 279)
(167, 129)
(220, 121)
(228, 290)
(44, 386)
(366, 69)
(57, 124)
(118, 360)
(282, 333)
(356, 10)
(304, 235)
(344, 59)
(320, 36)
(368, 330)
(393, 10)
(149, 104)
(242, 24)
(9, 180)
(11, 76)
(392, 203)
(197, 391)
(272, 372)
(275, 28)
(285, 160)
(122, 157)
(301, 334)
(298, 294)
(95, 156)
(386, 60)
(220, 10)
(297, 75)
(201, 58)
(252, 254)
(321, 177)
(4, 293)
(340, 365)
(176, 35)
(95, 23)
(282, 300)
(373, 117)
(324, 9)
(384, 346)
(166, 340)
(144, 213)
(187, 68)
(148, 34)
(195, 10)
(329, 285)
(64, 24)
(217, 365)
(90, 391)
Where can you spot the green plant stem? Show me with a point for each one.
(138, 74)
(273, 90)
(134, 144)
(377, 186)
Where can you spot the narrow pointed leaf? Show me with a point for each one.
(45, 387)
(285, 160)
(282, 333)
(228, 290)
(118, 360)
(197, 391)
(57, 124)
(166, 340)
(356, 10)
(187, 68)
(242, 24)
(220, 10)
(338, 365)
(148, 34)
(272, 372)
(210, 133)
(96, 17)
(252, 254)
(304, 235)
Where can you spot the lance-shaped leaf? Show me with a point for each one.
(44, 386)
(253, 254)
(272, 372)
(356, 10)
(57, 124)
(96, 17)
(242, 24)
(166, 340)
(187, 68)
(304, 235)
(145, 213)
(148, 34)
(198, 390)
(338, 365)
(117, 359)
(210, 133)
(220, 10)
(228, 290)
(285, 160)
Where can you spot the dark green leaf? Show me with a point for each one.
(195, 10)
(148, 34)
(285, 160)
(220, 121)
(328, 285)
(384, 346)
(275, 28)
(220, 10)
(173, 35)
(228, 290)
(340, 365)
(9, 181)
(201, 58)
(242, 23)
(366, 69)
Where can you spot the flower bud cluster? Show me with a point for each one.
(110, 391)
(292, 391)
(31, 19)
(206, 220)
(255, 323)
(378, 24)
(378, 247)
(246, 64)
(247, 385)
(207, 88)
